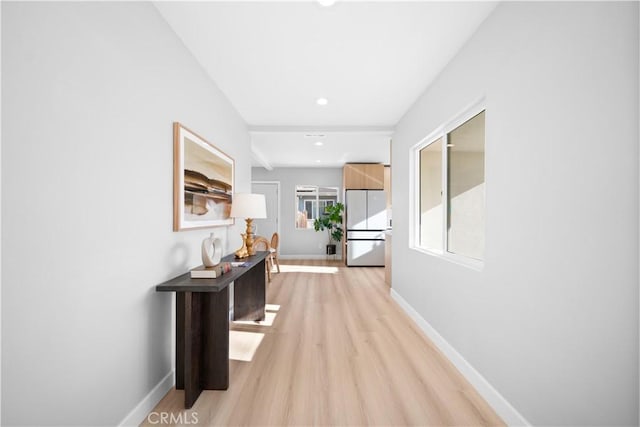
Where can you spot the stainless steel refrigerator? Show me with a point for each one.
(366, 212)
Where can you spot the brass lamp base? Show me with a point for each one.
(247, 241)
(242, 252)
(249, 232)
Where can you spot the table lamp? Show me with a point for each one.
(248, 206)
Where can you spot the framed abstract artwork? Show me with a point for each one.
(203, 178)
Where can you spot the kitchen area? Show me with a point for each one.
(368, 219)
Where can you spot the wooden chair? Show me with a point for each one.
(261, 244)
(275, 240)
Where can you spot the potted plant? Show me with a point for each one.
(331, 220)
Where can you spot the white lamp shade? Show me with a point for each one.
(247, 205)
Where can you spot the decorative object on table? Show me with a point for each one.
(249, 206)
(202, 182)
(240, 264)
(331, 220)
(242, 252)
(202, 272)
(211, 251)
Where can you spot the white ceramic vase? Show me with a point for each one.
(211, 251)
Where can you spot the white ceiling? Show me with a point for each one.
(337, 148)
(371, 60)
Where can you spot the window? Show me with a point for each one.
(449, 187)
(431, 211)
(311, 201)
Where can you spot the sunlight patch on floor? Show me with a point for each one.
(308, 269)
(243, 345)
(269, 317)
(272, 307)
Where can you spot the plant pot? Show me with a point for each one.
(331, 249)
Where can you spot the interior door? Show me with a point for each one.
(269, 225)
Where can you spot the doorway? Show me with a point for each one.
(267, 226)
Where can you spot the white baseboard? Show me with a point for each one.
(499, 404)
(142, 409)
(330, 257)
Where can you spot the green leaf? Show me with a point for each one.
(331, 221)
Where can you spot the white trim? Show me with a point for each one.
(414, 195)
(316, 256)
(467, 113)
(142, 409)
(444, 180)
(461, 260)
(499, 404)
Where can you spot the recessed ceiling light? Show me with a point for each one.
(326, 3)
(318, 143)
(322, 101)
(317, 161)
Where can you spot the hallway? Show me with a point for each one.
(335, 349)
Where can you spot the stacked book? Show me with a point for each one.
(202, 272)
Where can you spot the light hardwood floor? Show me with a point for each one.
(338, 352)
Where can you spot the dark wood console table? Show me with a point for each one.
(202, 322)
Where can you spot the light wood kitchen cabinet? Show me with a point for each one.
(363, 176)
(387, 184)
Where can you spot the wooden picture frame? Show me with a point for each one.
(203, 178)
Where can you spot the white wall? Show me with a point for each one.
(90, 91)
(0, 228)
(552, 320)
(294, 242)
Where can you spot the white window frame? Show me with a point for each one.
(317, 201)
(441, 131)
